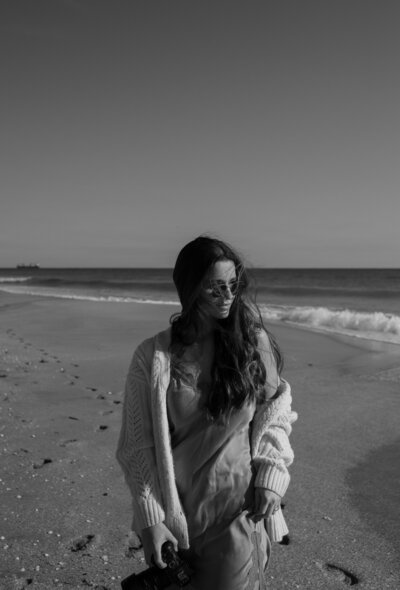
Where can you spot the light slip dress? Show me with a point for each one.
(214, 476)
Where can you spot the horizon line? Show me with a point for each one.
(248, 267)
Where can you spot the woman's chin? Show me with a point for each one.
(217, 312)
(223, 313)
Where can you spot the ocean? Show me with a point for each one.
(363, 303)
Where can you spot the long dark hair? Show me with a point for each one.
(238, 373)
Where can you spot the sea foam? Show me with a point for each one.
(84, 297)
(14, 279)
(371, 325)
(374, 325)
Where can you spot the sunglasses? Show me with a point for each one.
(217, 290)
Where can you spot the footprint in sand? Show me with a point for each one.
(21, 451)
(86, 582)
(42, 463)
(21, 583)
(337, 573)
(81, 542)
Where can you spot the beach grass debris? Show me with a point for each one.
(69, 441)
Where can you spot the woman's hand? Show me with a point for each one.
(153, 538)
(266, 502)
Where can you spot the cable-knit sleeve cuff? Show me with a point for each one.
(271, 477)
(146, 513)
(276, 527)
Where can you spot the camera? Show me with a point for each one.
(177, 572)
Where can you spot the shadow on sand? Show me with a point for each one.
(374, 491)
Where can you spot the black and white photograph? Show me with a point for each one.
(199, 294)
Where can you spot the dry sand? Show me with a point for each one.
(65, 509)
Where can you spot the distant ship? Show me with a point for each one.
(31, 265)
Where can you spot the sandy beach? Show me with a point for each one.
(65, 509)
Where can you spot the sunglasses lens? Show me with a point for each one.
(222, 290)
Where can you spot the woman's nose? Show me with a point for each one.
(227, 292)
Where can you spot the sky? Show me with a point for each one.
(129, 127)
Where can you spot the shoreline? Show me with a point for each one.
(354, 339)
(66, 508)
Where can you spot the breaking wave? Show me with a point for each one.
(372, 325)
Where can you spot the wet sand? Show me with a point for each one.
(65, 510)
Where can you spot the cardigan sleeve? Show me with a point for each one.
(272, 452)
(273, 419)
(135, 452)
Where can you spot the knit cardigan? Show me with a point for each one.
(145, 453)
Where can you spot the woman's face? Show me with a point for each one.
(219, 289)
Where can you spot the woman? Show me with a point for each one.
(204, 440)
